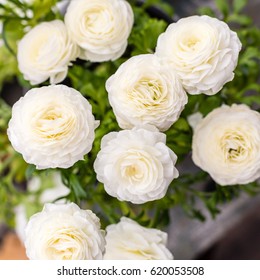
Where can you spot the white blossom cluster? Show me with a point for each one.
(93, 30)
(53, 126)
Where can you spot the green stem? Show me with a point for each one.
(5, 39)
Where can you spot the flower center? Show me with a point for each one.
(130, 170)
(93, 19)
(96, 20)
(147, 93)
(51, 123)
(133, 166)
(190, 42)
(234, 147)
(63, 247)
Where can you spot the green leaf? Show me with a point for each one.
(209, 104)
(12, 32)
(182, 125)
(196, 213)
(17, 3)
(206, 11)
(162, 218)
(212, 207)
(29, 171)
(165, 7)
(250, 100)
(145, 33)
(239, 5)
(240, 19)
(76, 187)
(223, 7)
(42, 8)
(8, 66)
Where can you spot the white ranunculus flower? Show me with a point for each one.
(135, 165)
(64, 232)
(128, 240)
(100, 27)
(202, 50)
(52, 126)
(143, 91)
(45, 52)
(226, 144)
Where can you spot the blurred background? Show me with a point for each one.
(234, 234)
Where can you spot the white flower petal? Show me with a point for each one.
(127, 240)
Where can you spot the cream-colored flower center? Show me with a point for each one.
(133, 171)
(234, 146)
(190, 42)
(53, 123)
(96, 20)
(199, 39)
(64, 247)
(147, 93)
(135, 166)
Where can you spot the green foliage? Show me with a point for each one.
(145, 32)
(8, 66)
(11, 170)
(223, 6)
(179, 138)
(12, 32)
(239, 5)
(157, 4)
(42, 10)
